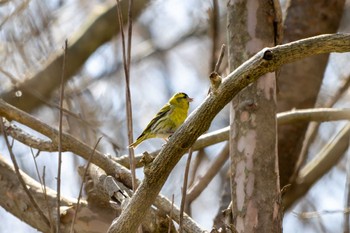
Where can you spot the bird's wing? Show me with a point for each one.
(165, 110)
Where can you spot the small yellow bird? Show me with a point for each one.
(167, 120)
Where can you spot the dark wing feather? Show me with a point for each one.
(162, 112)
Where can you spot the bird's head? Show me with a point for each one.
(180, 99)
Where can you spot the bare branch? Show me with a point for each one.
(312, 129)
(171, 214)
(188, 223)
(70, 143)
(28, 139)
(184, 191)
(126, 64)
(15, 201)
(320, 165)
(267, 60)
(317, 114)
(221, 56)
(81, 186)
(63, 74)
(21, 180)
(122, 194)
(96, 31)
(317, 214)
(215, 32)
(290, 117)
(43, 188)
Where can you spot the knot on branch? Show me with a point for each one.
(215, 81)
(268, 55)
(146, 160)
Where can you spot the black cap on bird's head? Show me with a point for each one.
(183, 95)
(179, 97)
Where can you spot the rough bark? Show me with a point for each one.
(265, 61)
(253, 137)
(15, 200)
(299, 82)
(69, 143)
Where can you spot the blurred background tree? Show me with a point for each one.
(174, 48)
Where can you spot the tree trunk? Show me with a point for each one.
(253, 149)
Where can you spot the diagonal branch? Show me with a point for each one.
(21, 180)
(267, 60)
(317, 167)
(69, 143)
(103, 161)
(15, 201)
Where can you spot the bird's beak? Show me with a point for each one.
(189, 99)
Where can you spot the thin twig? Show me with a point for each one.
(47, 201)
(171, 213)
(128, 100)
(82, 184)
(198, 159)
(36, 166)
(120, 18)
(126, 63)
(317, 214)
(42, 184)
(60, 139)
(221, 56)
(311, 205)
(23, 183)
(184, 190)
(129, 35)
(215, 30)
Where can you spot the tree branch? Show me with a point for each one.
(317, 114)
(290, 117)
(14, 200)
(96, 31)
(267, 60)
(304, 76)
(320, 165)
(208, 139)
(21, 180)
(69, 143)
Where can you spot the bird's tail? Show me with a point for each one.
(138, 141)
